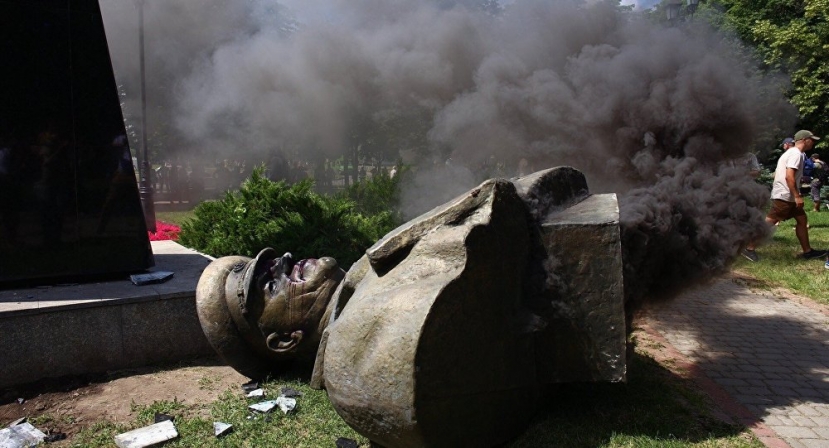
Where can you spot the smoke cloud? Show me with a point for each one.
(470, 89)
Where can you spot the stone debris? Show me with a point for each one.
(256, 393)
(250, 385)
(54, 437)
(147, 436)
(290, 393)
(23, 435)
(151, 277)
(286, 404)
(343, 442)
(159, 417)
(263, 406)
(18, 421)
(221, 428)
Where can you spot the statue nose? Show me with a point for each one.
(328, 262)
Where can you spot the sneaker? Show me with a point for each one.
(826, 265)
(751, 255)
(812, 254)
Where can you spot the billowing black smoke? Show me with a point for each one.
(660, 115)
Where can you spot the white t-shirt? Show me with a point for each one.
(792, 158)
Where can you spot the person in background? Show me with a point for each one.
(819, 175)
(788, 142)
(752, 165)
(808, 168)
(787, 201)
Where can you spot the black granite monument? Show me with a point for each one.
(69, 204)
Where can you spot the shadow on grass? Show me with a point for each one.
(654, 408)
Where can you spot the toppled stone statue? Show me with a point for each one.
(469, 309)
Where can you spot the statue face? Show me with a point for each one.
(295, 295)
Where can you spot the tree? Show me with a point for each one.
(792, 36)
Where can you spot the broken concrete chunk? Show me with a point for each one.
(256, 393)
(250, 385)
(147, 436)
(221, 428)
(151, 277)
(343, 442)
(23, 435)
(18, 421)
(286, 404)
(290, 393)
(263, 406)
(54, 437)
(159, 417)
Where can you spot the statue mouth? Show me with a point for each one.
(284, 270)
(298, 271)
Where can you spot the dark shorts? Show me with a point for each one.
(782, 210)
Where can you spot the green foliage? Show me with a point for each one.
(378, 194)
(792, 36)
(288, 218)
(766, 177)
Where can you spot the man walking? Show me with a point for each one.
(785, 195)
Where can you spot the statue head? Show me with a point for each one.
(261, 312)
(289, 298)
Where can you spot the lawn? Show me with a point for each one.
(779, 265)
(177, 217)
(655, 408)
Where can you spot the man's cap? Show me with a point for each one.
(788, 140)
(804, 134)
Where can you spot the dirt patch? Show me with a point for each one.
(72, 404)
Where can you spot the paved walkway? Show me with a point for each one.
(768, 353)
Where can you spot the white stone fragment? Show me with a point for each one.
(286, 404)
(23, 435)
(256, 393)
(147, 436)
(221, 428)
(263, 406)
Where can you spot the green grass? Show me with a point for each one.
(779, 265)
(177, 218)
(655, 408)
(314, 423)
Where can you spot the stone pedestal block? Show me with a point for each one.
(585, 339)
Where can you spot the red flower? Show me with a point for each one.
(164, 231)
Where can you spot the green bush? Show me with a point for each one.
(766, 177)
(288, 218)
(376, 195)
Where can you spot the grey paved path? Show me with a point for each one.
(769, 353)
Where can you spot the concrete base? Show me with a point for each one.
(75, 329)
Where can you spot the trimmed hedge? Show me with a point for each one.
(291, 218)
